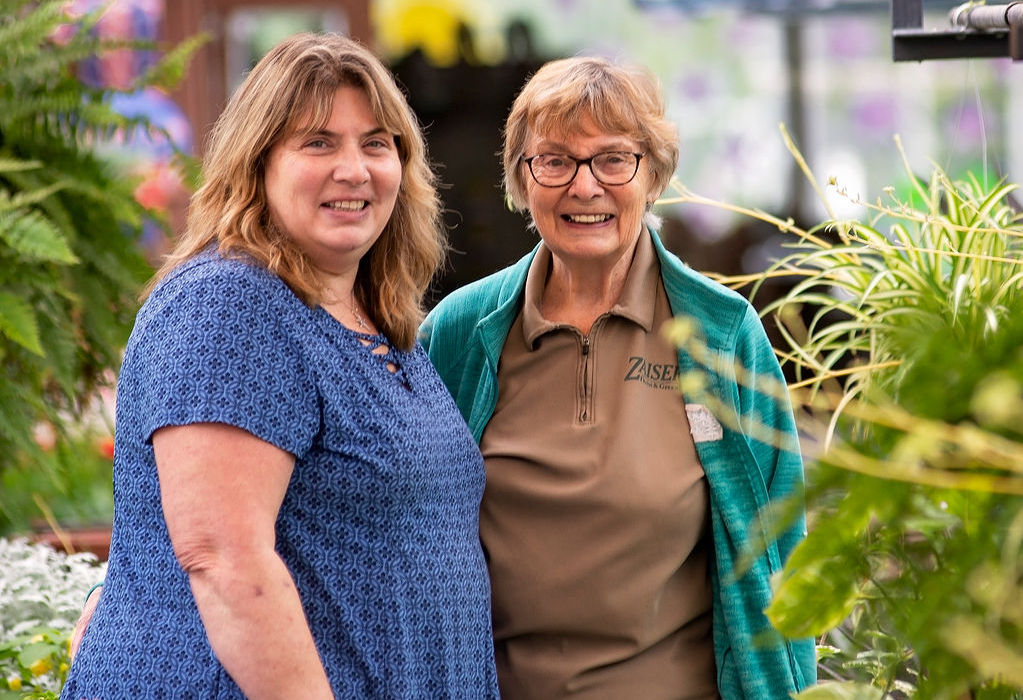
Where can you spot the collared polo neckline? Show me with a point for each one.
(636, 302)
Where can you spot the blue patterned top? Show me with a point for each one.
(379, 526)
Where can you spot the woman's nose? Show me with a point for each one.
(584, 184)
(350, 166)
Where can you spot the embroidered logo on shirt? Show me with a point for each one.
(702, 423)
(653, 374)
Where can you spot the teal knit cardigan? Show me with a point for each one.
(464, 336)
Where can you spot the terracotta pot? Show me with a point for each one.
(95, 539)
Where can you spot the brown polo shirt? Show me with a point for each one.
(595, 516)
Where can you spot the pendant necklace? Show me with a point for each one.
(358, 317)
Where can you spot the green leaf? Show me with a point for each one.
(170, 69)
(61, 346)
(36, 652)
(13, 165)
(840, 691)
(26, 198)
(34, 237)
(814, 599)
(17, 416)
(18, 322)
(822, 578)
(32, 26)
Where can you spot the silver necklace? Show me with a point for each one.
(358, 317)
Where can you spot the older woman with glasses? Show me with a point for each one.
(616, 507)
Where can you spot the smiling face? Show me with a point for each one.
(585, 222)
(332, 191)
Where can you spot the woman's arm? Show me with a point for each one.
(222, 488)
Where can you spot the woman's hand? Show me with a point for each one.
(83, 621)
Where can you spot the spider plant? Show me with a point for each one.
(904, 333)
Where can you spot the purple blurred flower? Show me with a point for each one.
(876, 114)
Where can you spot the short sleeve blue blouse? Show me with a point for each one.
(379, 526)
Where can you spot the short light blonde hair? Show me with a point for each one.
(292, 89)
(619, 99)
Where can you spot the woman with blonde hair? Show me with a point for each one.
(616, 507)
(296, 495)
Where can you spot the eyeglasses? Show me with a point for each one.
(610, 168)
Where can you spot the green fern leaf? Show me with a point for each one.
(63, 360)
(15, 416)
(62, 200)
(18, 322)
(34, 237)
(19, 35)
(27, 198)
(14, 165)
(170, 69)
(38, 110)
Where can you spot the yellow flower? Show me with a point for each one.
(14, 683)
(40, 667)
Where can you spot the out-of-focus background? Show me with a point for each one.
(732, 72)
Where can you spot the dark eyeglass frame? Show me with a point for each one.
(588, 162)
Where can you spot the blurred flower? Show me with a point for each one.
(40, 667)
(105, 445)
(44, 435)
(877, 114)
(63, 33)
(430, 26)
(161, 186)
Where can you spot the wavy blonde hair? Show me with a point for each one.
(619, 100)
(292, 89)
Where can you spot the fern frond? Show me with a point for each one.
(14, 165)
(26, 198)
(18, 322)
(16, 417)
(70, 266)
(20, 32)
(170, 69)
(33, 237)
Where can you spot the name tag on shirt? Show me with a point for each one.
(702, 423)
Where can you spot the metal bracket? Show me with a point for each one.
(911, 42)
(1014, 18)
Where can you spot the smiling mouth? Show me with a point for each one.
(587, 218)
(348, 205)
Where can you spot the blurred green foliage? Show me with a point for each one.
(69, 484)
(905, 332)
(70, 268)
(37, 660)
(41, 596)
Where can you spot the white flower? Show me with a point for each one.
(42, 587)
